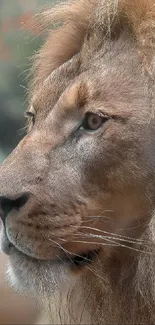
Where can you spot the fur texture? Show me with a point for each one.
(77, 20)
(71, 190)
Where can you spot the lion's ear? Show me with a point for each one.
(68, 23)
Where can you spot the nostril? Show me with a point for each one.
(7, 204)
(20, 202)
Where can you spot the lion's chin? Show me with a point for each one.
(45, 277)
(36, 276)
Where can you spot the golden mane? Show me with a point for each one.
(70, 23)
(80, 195)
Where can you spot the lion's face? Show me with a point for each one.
(83, 171)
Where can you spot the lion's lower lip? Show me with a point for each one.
(73, 261)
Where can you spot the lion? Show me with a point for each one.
(77, 195)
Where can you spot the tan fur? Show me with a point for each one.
(67, 40)
(66, 190)
(77, 16)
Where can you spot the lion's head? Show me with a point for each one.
(77, 194)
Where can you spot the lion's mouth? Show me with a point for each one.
(74, 261)
(84, 258)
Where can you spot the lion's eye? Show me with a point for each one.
(93, 122)
(30, 115)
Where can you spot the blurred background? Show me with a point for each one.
(19, 40)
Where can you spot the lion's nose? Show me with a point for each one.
(9, 203)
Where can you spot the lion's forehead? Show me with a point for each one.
(106, 82)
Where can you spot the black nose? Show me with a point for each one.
(9, 203)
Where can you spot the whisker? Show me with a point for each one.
(113, 234)
(96, 274)
(63, 249)
(59, 258)
(109, 237)
(102, 216)
(93, 243)
(114, 244)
